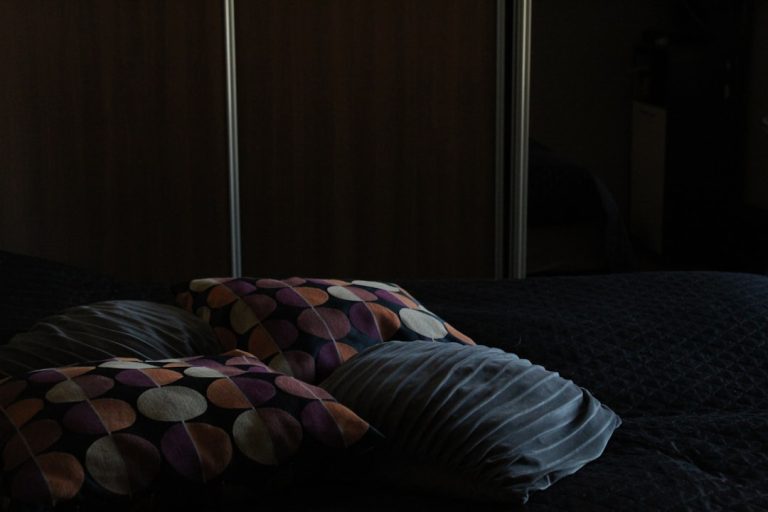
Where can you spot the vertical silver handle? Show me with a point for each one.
(234, 164)
(520, 134)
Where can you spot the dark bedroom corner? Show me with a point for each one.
(337, 255)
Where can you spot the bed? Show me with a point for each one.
(679, 356)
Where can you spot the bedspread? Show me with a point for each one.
(682, 357)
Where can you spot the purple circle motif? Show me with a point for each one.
(325, 323)
(100, 416)
(135, 378)
(283, 332)
(376, 321)
(321, 282)
(301, 389)
(46, 377)
(319, 423)
(31, 483)
(271, 283)
(327, 360)
(198, 451)
(256, 390)
(390, 297)
(240, 287)
(82, 419)
(365, 321)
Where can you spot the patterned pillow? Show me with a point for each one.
(119, 431)
(308, 327)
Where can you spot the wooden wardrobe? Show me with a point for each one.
(366, 136)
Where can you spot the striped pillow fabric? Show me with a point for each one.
(116, 328)
(472, 422)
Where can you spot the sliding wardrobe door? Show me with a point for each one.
(113, 135)
(367, 137)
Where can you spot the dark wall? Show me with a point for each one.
(711, 165)
(756, 186)
(112, 135)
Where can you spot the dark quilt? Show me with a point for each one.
(682, 357)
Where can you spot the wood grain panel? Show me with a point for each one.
(366, 136)
(112, 135)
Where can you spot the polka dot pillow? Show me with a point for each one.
(114, 432)
(308, 327)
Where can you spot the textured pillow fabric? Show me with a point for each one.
(112, 433)
(118, 328)
(308, 327)
(473, 422)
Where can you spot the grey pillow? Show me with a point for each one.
(117, 328)
(472, 422)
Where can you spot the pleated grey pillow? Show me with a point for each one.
(117, 328)
(472, 422)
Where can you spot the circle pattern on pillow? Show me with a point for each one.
(123, 428)
(307, 328)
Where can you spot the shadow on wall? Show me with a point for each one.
(756, 186)
(581, 99)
